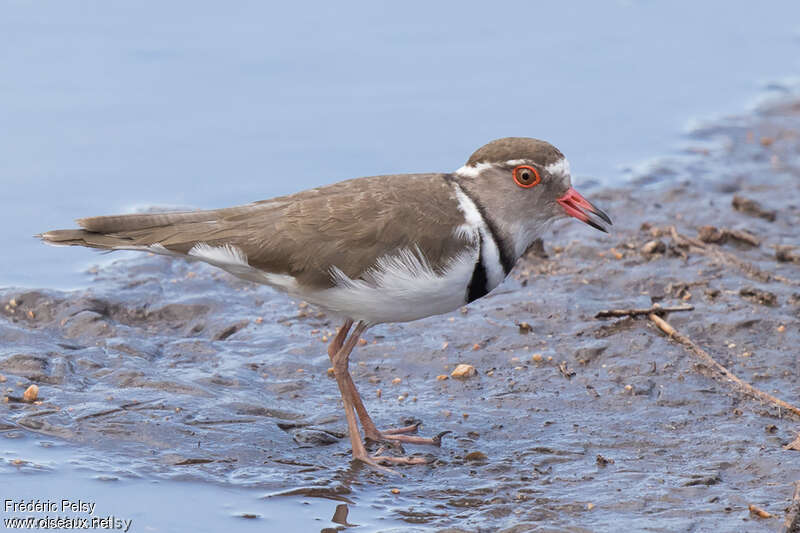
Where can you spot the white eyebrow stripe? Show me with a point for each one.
(472, 171)
(559, 168)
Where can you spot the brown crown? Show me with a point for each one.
(509, 148)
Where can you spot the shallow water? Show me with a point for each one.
(106, 108)
(50, 471)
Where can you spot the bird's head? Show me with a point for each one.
(525, 184)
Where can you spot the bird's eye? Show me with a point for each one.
(526, 176)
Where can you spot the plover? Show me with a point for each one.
(372, 250)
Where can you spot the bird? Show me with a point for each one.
(372, 250)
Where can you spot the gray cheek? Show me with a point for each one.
(566, 181)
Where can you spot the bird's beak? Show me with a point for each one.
(579, 207)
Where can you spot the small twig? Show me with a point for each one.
(684, 240)
(715, 252)
(638, 312)
(566, 372)
(794, 445)
(792, 522)
(743, 236)
(717, 370)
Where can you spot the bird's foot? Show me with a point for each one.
(413, 439)
(401, 435)
(378, 460)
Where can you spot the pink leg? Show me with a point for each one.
(371, 432)
(351, 399)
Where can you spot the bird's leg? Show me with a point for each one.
(341, 360)
(371, 432)
(338, 340)
(339, 352)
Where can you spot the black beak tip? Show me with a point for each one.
(595, 225)
(602, 214)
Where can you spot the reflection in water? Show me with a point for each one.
(339, 517)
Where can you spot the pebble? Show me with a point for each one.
(475, 456)
(2, 378)
(463, 371)
(537, 358)
(654, 247)
(442, 377)
(759, 512)
(31, 393)
(397, 381)
(395, 491)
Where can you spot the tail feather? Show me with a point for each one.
(140, 221)
(79, 237)
(112, 232)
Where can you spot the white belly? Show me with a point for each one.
(399, 288)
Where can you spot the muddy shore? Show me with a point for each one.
(171, 370)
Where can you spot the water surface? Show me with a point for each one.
(110, 107)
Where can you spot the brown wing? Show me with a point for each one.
(348, 225)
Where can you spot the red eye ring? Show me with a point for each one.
(524, 183)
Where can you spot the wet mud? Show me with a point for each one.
(174, 371)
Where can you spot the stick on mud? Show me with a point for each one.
(718, 371)
(640, 312)
(792, 522)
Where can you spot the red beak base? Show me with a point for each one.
(579, 207)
